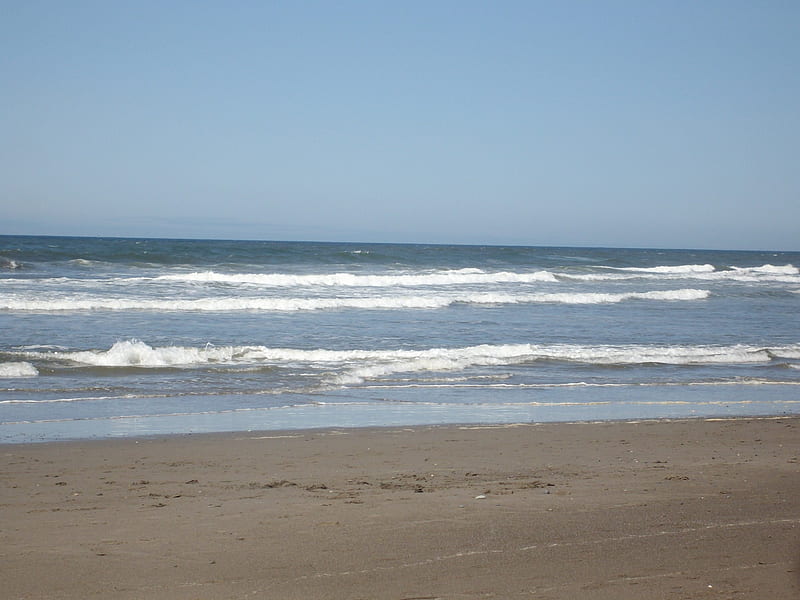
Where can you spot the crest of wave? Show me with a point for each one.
(457, 276)
(17, 369)
(361, 364)
(678, 269)
(454, 359)
(771, 269)
(137, 353)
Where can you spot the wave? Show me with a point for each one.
(771, 269)
(8, 263)
(507, 355)
(83, 262)
(46, 401)
(582, 384)
(676, 269)
(132, 353)
(765, 273)
(46, 281)
(369, 363)
(449, 277)
(229, 304)
(17, 369)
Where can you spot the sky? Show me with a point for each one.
(670, 124)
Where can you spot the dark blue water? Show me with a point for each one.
(117, 337)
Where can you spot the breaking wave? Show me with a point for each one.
(449, 277)
(306, 304)
(372, 363)
(7, 263)
(677, 269)
(765, 273)
(17, 369)
(485, 355)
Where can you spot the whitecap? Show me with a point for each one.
(17, 369)
(359, 364)
(229, 304)
(776, 269)
(487, 355)
(465, 276)
(130, 353)
(676, 269)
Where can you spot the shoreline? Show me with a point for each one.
(360, 415)
(624, 509)
(310, 430)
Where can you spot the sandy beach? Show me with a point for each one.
(682, 509)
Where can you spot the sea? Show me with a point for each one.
(104, 337)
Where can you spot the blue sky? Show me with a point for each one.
(611, 123)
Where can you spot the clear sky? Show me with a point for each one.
(613, 123)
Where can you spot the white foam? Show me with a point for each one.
(439, 384)
(441, 279)
(17, 369)
(438, 278)
(42, 347)
(601, 298)
(220, 304)
(136, 353)
(678, 269)
(583, 297)
(62, 400)
(230, 304)
(485, 355)
(772, 269)
(359, 364)
(765, 273)
(84, 262)
(44, 281)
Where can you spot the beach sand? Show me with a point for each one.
(683, 509)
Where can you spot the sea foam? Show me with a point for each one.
(510, 354)
(782, 274)
(676, 269)
(17, 369)
(128, 353)
(283, 304)
(448, 277)
(771, 269)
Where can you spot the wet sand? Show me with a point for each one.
(684, 509)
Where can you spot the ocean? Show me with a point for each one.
(103, 337)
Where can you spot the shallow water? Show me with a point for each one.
(119, 337)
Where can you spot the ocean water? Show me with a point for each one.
(128, 337)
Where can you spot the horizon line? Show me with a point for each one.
(393, 243)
